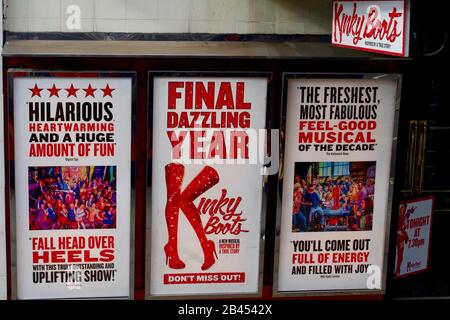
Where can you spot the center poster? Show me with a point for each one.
(207, 188)
(338, 147)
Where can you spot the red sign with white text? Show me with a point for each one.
(375, 26)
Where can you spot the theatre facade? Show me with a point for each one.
(254, 166)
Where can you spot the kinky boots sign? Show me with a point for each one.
(377, 26)
(206, 188)
(222, 209)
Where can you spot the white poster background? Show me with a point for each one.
(382, 156)
(401, 44)
(121, 100)
(415, 259)
(239, 180)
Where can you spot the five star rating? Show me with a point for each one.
(71, 91)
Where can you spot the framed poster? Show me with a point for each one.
(207, 185)
(72, 156)
(413, 236)
(336, 182)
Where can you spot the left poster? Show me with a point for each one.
(72, 143)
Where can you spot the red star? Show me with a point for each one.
(54, 91)
(72, 91)
(89, 91)
(107, 91)
(35, 91)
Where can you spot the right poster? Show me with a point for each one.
(337, 162)
(413, 236)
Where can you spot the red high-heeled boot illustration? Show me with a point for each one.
(206, 179)
(174, 179)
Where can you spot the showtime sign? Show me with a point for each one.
(376, 26)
